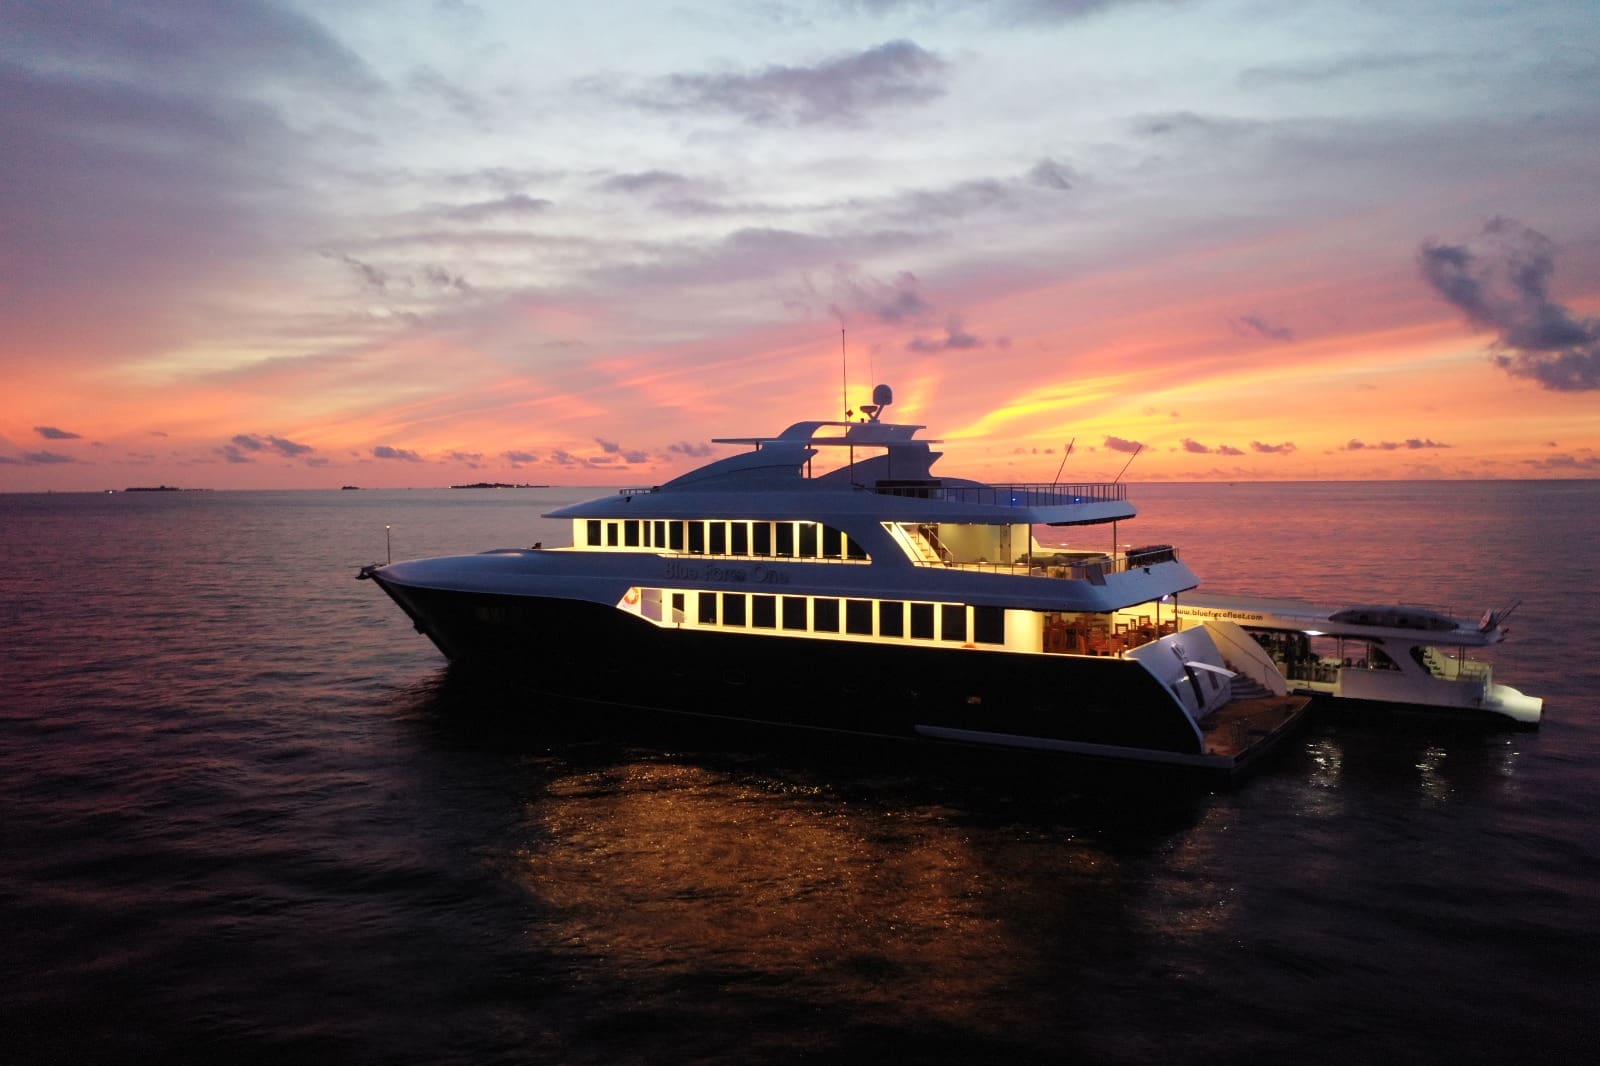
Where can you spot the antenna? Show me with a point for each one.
(844, 377)
(1129, 463)
(1063, 465)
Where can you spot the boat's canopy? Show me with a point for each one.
(1396, 617)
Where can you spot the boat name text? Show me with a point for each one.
(755, 575)
(1220, 613)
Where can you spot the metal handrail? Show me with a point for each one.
(1023, 495)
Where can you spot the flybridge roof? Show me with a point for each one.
(882, 434)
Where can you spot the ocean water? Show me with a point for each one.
(247, 815)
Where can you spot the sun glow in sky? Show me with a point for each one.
(263, 243)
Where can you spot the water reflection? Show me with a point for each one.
(859, 891)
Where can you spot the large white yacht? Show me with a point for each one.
(866, 595)
(1389, 657)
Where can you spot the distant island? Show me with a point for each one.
(497, 485)
(160, 488)
(349, 488)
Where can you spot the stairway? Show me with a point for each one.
(1248, 688)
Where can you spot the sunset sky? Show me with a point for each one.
(269, 244)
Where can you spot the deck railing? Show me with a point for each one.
(1034, 495)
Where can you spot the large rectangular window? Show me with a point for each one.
(762, 534)
(697, 538)
(922, 621)
(794, 612)
(764, 611)
(594, 533)
(661, 535)
(808, 540)
(611, 534)
(719, 538)
(825, 615)
(740, 540)
(891, 618)
(785, 539)
(989, 625)
(733, 608)
(677, 608)
(708, 608)
(953, 622)
(630, 532)
(858, 617)
(676, 531)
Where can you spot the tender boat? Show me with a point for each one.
(870, 597)
(1371, 657)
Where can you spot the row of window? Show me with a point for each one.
(744, 539)
(894, 619)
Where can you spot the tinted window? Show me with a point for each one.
(989, 625)
(858, 617)
(953, 621)
(794, 612)
(891, 618)
(922, 621)
(741, 539)
(733, 608)
(825, 616)
(832, 543)
(764, 612)
(808, 541)
(708, 608)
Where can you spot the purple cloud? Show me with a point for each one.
(1118, 444)
(52, 433)
(1500, 280)
(1257, 326)
(1412, 443)
(384, 451)
(694, 451)
(1272, 449)
(956, 338)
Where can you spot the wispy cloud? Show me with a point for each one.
(37, 459)
(693, 451)
(52, 433)
(385, 451)
(843, 89)
(1272, 449)
(956, 338)
(244, 445)
(1412, 443)
(1255, 325)
(1196, 448)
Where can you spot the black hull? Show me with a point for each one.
(595, 653)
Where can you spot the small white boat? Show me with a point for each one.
(1387, 656)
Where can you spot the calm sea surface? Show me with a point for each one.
(247, 816)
